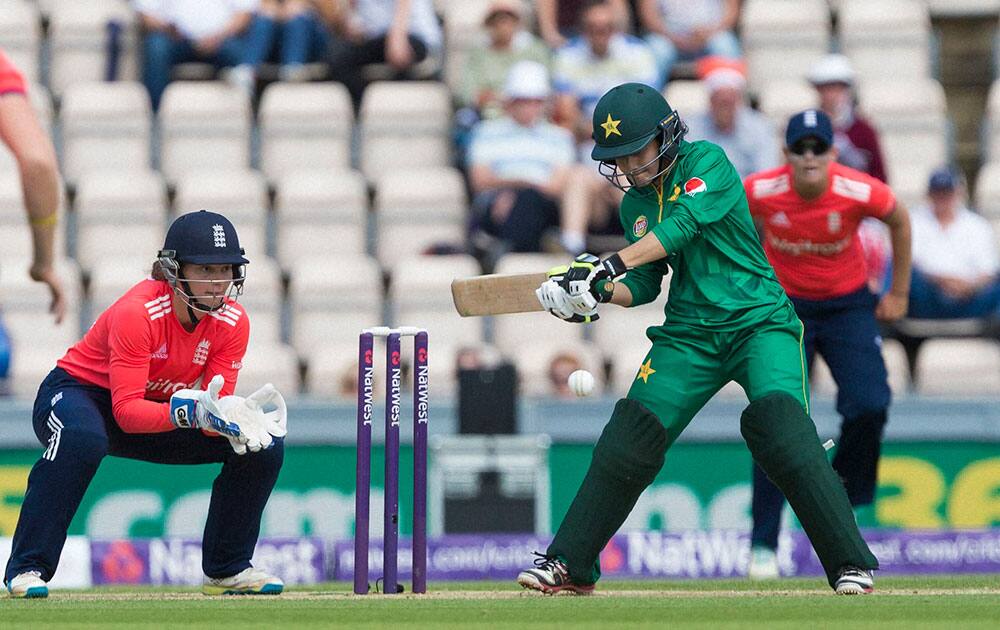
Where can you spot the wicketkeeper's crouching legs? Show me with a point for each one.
(784, 442)
(626, 459)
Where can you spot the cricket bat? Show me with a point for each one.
(497, 294)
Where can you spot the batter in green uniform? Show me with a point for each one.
(726, 319)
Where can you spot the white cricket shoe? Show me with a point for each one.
(250, 581)
(854, 581)
(763, 564)
(28, 585)
(550, 576)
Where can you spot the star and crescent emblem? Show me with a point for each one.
(610, 126)
(645, 371)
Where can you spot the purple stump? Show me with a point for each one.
(421, 412)
(363, 476)
(391, 529)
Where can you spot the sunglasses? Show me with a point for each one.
(817, 146)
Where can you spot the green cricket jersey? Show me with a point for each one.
(721, 278)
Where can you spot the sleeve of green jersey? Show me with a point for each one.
(710, 187)
(645, 281)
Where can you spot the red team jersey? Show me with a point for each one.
(139, 351)
(11, 80)
(813, 244)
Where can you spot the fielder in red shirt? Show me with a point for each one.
(808, 212)
(153, 380)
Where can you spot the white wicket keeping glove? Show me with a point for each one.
(199, 409)
(260, 427)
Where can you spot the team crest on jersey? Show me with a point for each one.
(780, 219)
(833, 222)
(694, 186)
(201, 352)
(640, 225)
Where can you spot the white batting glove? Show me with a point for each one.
(260, 427)
(554, 299)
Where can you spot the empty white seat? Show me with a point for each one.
(418, 208)
(120, 197)
(914, 150)
(305, 126)
(910, 183)
(112, 276)
(204, 126)
(31, 361)
(405, 124)
(882, 23)
(330, 303)
(314, 328)
(987, 195)
(263, 290)
(17, 245)
(958, 367)
(37, 328)
(780, 100)
(687, 97)
(274, 363)
(320, 212)
(78, 37)
(20, 36)
(879, 62)
(779, 23)
(382, 154)
(765, 65)
(920, 107)
(105, 126)
(424, 282)
(265, 328)
(239, 194)
(11, 198)
(18, 292)
(97, 242)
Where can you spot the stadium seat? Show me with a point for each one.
(21, 35)
(404, 124)
(78, 40)
(265, 328)
(240, 194)
(917, 151)
(119, 197)
(687, 97)
(17, 247)
(332, 369)
(533, 363)
(780, 100)
(782, 38)
(11, 199)
(273, 363)
(263, 290)
(886, 40)
(987, 197)
(921, 106)
(112, 276)
(96, 242)
(305, 126)
(957, 367)
(766, 65)
(320, 212)
(18, 292)
(32, 360)
(105, 126)
(425, 281)
(416, 209)
(910, 183)
(204, 126)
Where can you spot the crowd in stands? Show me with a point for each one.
(520, 80)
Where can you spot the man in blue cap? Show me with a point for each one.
(955, 258)
(153, 380)
(808, 211)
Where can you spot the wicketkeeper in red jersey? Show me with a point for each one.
(153, 380)
(809, 210)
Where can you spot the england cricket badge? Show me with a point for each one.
(640, 225)
(833, 222)
(694, 186)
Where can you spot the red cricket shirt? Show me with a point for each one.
(813, 244)
(139, 351)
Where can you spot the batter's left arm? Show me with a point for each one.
(893, 304)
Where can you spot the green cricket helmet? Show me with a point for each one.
(626, 119)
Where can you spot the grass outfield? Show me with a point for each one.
(903, 602)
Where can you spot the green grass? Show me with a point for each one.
(926, 602)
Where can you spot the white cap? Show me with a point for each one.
(832, 68)
(721, 78)
(527, 79)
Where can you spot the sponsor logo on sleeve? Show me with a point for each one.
(640, 226)
(694, 186)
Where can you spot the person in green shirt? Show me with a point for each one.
(726, 319)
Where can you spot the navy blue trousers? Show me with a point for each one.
(844, 332)
(75, 424)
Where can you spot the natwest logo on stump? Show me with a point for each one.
(694, 186)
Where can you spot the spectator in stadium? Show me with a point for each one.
(560, 367)
(955, 258)
(518, 166)
(686, 30)
(22, 134)
(401, 33)
(593, 63)
(747, 136)
(131, 388)
(809, 211)
(488, 63)
(558, 20)
(296, 36)
(224, 33)
(855, 137)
